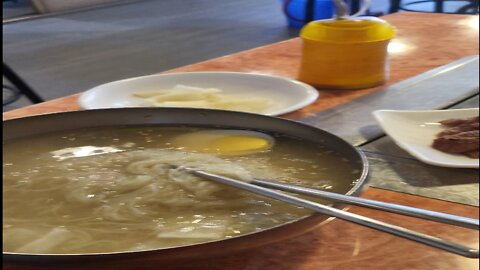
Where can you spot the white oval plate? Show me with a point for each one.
(290, 95)
(414, 131)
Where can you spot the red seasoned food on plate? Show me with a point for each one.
(462, 137)
(459, 121)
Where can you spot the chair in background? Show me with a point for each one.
(20, 87)
(470, 6)
(10, 95)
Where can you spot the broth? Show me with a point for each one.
(113, 189)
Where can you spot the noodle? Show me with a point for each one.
(133, 196)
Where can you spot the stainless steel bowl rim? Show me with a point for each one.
(149, 113)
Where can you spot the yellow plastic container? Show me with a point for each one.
(345, 53)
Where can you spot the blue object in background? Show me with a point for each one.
(300, 12)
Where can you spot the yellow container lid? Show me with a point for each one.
(350, 30)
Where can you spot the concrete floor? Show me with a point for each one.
(18, 8)
(70, 53)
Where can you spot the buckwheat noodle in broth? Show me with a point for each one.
(117, 189)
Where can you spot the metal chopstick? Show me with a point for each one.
(354, 218)
(389, 207)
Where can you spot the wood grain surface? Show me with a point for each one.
(428, 41)
(432, 40)
(337, 245)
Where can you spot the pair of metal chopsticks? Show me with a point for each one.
(266, 188)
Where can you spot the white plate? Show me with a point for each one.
(290, 95)
(414, 131)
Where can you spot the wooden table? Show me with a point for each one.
(426, 41)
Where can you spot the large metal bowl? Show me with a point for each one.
(48, 123)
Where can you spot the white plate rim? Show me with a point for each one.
(406, 146)
(312, 93)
